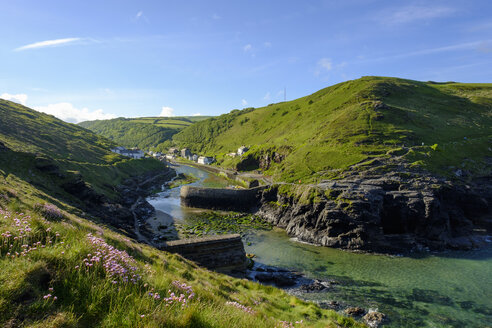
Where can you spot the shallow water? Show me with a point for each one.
(452, 289)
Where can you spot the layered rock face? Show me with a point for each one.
(390, 213)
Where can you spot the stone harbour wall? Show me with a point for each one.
(220, 253)
(221, 199)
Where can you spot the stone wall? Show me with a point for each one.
(221, 199)
(221, 253)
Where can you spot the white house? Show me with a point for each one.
(205, 160)
(134, 153)
(118, 150)
(241, 150)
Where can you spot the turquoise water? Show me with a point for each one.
(452, 289)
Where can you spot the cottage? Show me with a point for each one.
(194, 158)
(205, 160)
(232, 154)
(118, 150)
(170, 157)
(157, 155)
(173, 151)
(133, 153)
(185, 152)
(241, 150)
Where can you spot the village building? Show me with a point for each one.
(241, 150)
(133, 153)
(232, 154)
(185, 152)
(118, 150)
(170, 157)
(173, 151)
(194, 158)
(205, 160)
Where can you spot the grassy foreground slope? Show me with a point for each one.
(146, 132)
(436, 126)
(58, 269)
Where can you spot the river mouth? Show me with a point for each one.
(452, 289)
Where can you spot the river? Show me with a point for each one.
(451, 289)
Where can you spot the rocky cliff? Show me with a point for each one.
(394, 212)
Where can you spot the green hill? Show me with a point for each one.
(153, 133)
(436, 126)
(57, 269)
(41, 147)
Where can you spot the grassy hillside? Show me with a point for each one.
(146, 132)
(48, 152)
(59, 270)
(436, 126)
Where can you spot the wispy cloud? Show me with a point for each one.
(20, 98)
(196, 114)
(247, 48)
(476, 45)
(322, 66)
(267, 96)
(267, 44)
(167, 111)
(244, 102)
(48, 43)
(216, 16)
(69, 113)
(140, 15)
(415, 13)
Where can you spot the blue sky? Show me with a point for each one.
(88, 59)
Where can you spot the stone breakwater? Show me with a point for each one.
(221, 253)
(220, 199)
(390, 214)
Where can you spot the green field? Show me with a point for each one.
(434, 126)
(149, 133)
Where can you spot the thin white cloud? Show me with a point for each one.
(216, 16)
(267, 96)
(196, 114)
(244, 102)
(48, 43)
(247, 48)
(20, 98)
(416, 13)
(323, 65)
(69, 113)
(139, 14)
(476, 45)
(167, 111)
(267, 44)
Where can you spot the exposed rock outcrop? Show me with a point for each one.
(390, 213)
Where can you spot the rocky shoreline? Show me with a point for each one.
(390, 213)
(297, 284)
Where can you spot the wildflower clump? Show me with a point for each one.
(117, 264)
(50, 211)
(244, 308)
(24, 235)
(186, 295)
